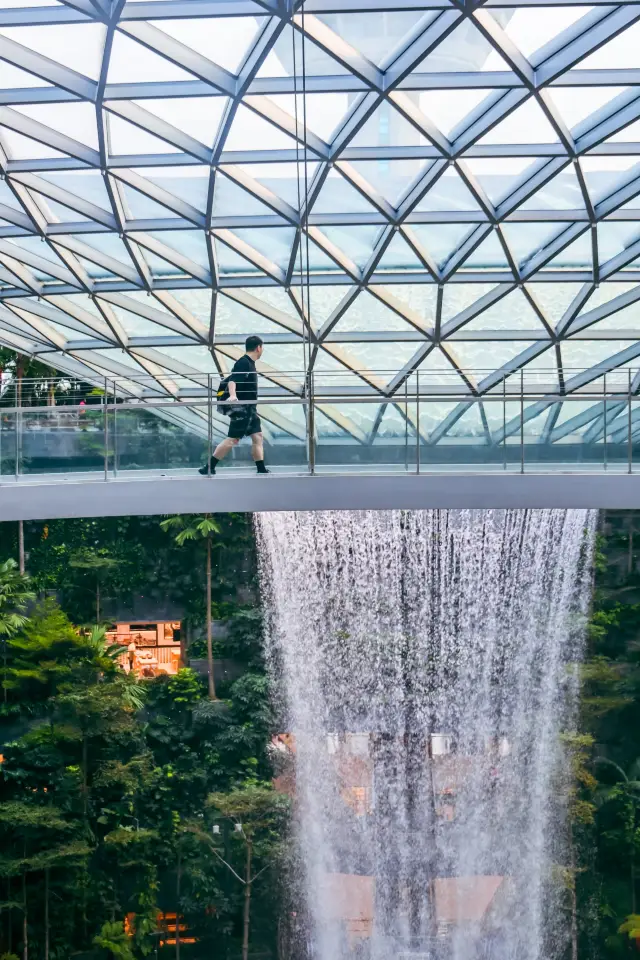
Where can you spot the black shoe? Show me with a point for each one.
(205, 470)
(262, 472)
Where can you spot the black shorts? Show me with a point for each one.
(244, 423)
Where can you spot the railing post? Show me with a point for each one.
(105, 427)
(311, 423)
(629, 424)
(115, 431)
(209, 424)
(406, 424)
(604, 437)
(504, 422)
(521, 419)
(18, 425)
(417, 422)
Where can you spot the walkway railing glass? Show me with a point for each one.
(314, 423)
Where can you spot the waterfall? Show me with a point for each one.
(425, 668)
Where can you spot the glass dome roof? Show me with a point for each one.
(374, 187)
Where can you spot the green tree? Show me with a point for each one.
(199, 528)
(15, 594)
(257, 812)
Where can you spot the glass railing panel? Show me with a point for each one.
(61, 439)
(171, 437)
(366, 435)
(9, 453)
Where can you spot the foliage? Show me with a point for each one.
(105, 779)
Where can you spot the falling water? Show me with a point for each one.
(424, 663)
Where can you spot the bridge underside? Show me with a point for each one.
(55, 496)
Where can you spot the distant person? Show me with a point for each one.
(243, 418)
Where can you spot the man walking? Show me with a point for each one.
(243, 419)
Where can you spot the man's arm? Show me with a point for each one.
(232, 391)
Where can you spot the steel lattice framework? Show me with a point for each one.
(443, 186)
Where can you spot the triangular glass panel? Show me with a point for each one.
(441, 240)
(399, 256)
(285, 180)
(136, 326)
(19, 147)
(579, 355)
(577, 254)
(562, 192)
(367, 314)
(159, 266)
(126, 139)
(337, 195)
(279, 62)
(231, 263)
(374, 44)
(78, 46)
(436, 370)
(526, 124)
(620, 53)
(108, 244)
(464, 50)
(448, 108)
(386, 127)
(230, 200)
(274, 243)
(525, 240)
(603, 175)
(512, 313)
(330, 374)
(479, 360)
(498, 177)
(419, 299)
(223, 40)
(449, 192)
(554, 299)
(190, 183)
(318, 261)
(323, 301)
(614, 237)
(605, 293)
(489, 254)
(625, 321)
(14, 78)
(276, 297)
(186, 243)
(75, 120)
(58, 212)
(389, 178)
(131, 62)
(199, 117)
(457, 297)
(530, 32)
(383, 360)
(235, 318)
(96, 271)
(142, 207)
(196, 300)
(357, 243)
(87, 184)
(628, 134)
(577, 104)
(7, 197)
(249, 128)
(324, 111)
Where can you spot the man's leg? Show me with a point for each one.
(257, 452)
(224, 447)
(219, 453)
